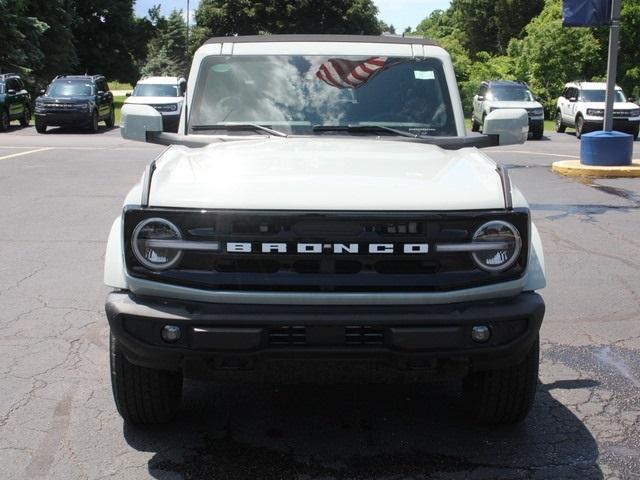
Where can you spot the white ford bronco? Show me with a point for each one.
(581, 106)
(322, 201)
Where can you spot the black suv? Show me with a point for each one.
(75, 100)
(15, 101)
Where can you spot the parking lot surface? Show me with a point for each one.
(60, 193)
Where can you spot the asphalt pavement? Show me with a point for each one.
(59, 195)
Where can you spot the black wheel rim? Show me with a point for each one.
(558, 120)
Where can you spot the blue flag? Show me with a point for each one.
(586, 13)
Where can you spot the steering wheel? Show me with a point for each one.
(228, 103)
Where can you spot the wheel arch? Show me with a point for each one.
(114, 268)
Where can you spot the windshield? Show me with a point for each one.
(296, 93)
(599, 96)
(510, 94)
(70, 88)
(156, 90)
(1, 87)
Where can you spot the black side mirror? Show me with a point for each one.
(42, 92)
(632, 99)
(128, 94)
(11, 92)
(480, 98)
(100, 93)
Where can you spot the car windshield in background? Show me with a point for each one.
(510, 94)
(155, 90)
(599, 96)
(70, 88)
(296, 93)
(1, 87)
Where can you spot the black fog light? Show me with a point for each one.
(480, 333)
(171, 333)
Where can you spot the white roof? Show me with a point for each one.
(161, 80)
(590, 85)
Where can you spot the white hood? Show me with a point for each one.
(140, 100)
(325, 174)
(525, 105)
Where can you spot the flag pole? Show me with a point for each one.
(612, 64)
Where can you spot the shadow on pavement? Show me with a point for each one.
(361, 432)
(79, 130)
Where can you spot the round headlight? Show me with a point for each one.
(503, 246)
(147, 240)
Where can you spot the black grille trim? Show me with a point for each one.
(327, 272)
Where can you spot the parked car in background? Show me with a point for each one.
(581, 106)
(15, 101)
(499, 94)
(75, 100)
(165, 94)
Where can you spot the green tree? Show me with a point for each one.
(247, 17)
(550, 55)
(167, 50)
(109, 39)
(20, 36)
(56, 42)
(491, 24)
(629, 56)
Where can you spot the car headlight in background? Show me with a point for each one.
(503, 244)
(536, 111)
(635, 112)
(170, 107)
(151, 243)
(595, 112)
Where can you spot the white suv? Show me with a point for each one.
(323, 202)
(581, 106)
(500, 94)
(165, 94)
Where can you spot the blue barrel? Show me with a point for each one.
(606, 149)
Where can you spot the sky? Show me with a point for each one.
(399, 13)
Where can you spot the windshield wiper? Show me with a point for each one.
(362, 128)
(239, 126)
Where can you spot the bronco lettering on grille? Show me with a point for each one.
(335, 248)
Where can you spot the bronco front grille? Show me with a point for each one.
(330, 269)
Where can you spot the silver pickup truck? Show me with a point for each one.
(322, 200)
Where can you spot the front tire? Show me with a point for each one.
(111, 119)
(26, 116)
(580, 130)
(475, 126)
(560, 126)
(93, 123)
(41, 126)
(143, 396)
(4, 121)
(503, 396)
(537, 131)
(635, 132)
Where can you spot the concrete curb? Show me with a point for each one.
(573, 168)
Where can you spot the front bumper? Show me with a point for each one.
(170, 122)
(215, 333)
(65, 118)
(619, 124)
